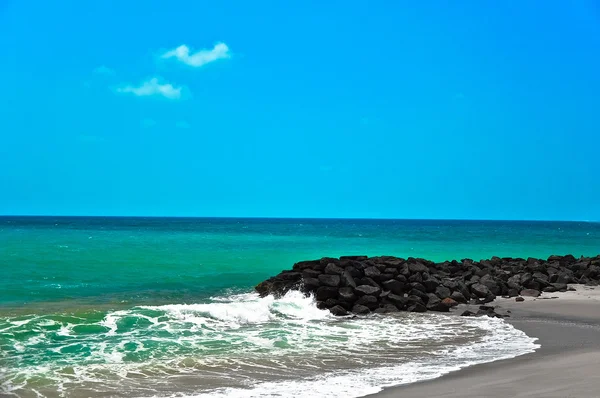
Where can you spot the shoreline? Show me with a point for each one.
(568, 330)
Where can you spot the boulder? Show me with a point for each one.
(417, 307)
(333, 269)
(372, 272)
(326, 292)
(386, 308)
(311, 284)
(417, 267)
(347, 279)
(442, 292)
(367, 290)
(519, 299)
(393, 286)
(360, 309)
(458, 297)
(480, 290)
(329, 280)
(530, 292)
(370, 302)
(347, 294)
(449, 302)
(399, 301)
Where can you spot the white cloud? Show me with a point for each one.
(104, 70)
(200, 58)
(153, 87)
(182, 124)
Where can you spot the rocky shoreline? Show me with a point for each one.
(361, 284)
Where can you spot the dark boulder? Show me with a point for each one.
(530, 293)
(442, 292)
(329, 280)
(372, 272)
(311, 284)
(385, 277)
(431, 284)
(360, 309)
(367, 290)
(370, 302)
(480, 290)
(310, 273)
(400, 301)
(418, 286)
(416, 307)
(417, 267)
(347, 280)
(393, 286)
(326, 292)
(386, 309)
(347, 294)
(338, 310)
(519, 299)
(418, 293)
(333, 269)
(458, 297)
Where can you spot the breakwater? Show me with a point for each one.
(361, 284)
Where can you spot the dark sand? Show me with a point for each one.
(566, 365)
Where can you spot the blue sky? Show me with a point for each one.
(473, 109)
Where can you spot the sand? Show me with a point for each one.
(566, 365)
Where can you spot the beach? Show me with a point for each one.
(566, 365)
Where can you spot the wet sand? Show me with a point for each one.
(566, 365)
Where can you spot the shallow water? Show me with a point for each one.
(164, 307)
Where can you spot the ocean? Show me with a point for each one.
(165, 307)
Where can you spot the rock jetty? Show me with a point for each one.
(361, 284)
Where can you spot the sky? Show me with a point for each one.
(387, 109)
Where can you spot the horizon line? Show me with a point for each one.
(290, 218)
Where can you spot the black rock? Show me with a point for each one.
(329, 280)
(385, 277)
(417, 307)
(399, 301)
(338, 310)
(393, 286)
(346, 279)
(372, 272)
(519, 299)
(418, 286)
(367, 290)
(422, 295)
(442, 292)
(333, 269)
(480, 290)
(347, 294)
(326, 292)
(360, 309)
(311, 284)
(530, 292)
(370, 302)
(467, 313)
(458, 297)
(417, 267)
(310, 273)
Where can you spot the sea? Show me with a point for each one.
(165, 307)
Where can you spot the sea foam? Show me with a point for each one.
(243, 345)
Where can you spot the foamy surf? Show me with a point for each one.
(241, 346)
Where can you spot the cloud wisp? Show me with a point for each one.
(199, 58)
(153, 87)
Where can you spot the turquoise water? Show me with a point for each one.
(89, 302)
